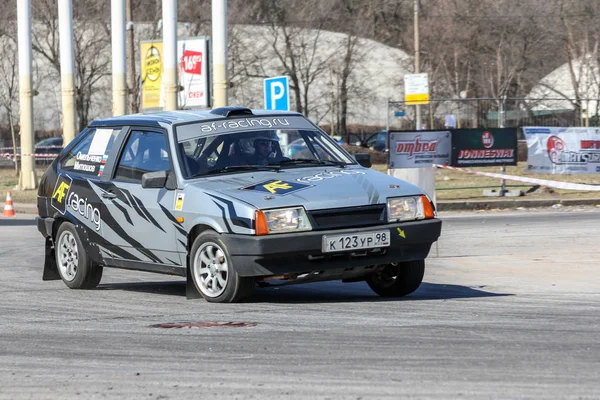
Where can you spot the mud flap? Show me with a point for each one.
(190, 288)
(50, 268)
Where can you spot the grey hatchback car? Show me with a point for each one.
(214, 197)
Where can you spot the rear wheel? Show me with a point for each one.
(397, 280)
(72, 262)
(213, 272)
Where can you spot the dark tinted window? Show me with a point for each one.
(144, 152)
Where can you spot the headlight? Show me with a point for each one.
(409, 208)
(282, 220)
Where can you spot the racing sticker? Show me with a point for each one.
(329, 175)
(277, 187)
(179, 201)
(60, 193)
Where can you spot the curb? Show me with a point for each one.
(456, 205)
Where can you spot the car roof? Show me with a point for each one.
(186, 116)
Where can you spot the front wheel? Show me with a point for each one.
(397, 280)
(74, 267)
(213, 272)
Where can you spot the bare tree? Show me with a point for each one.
(9, 91)
(92, 49)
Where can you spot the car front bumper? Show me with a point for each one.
(302, 252)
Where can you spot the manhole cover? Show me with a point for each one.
(201, 325)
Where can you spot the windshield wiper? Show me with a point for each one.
(233, 168)
(297, 161)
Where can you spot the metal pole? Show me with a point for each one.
(387, 116)
(170, 53)
(417, 62)
(119, 58)
(133, 106)
(219, 55)
(502, 125)
(67, 69)
(27, 179)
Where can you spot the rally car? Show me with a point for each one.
(215, 197)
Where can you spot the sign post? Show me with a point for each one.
(277, 93)
(416, 92)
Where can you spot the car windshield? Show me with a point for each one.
(277, 148)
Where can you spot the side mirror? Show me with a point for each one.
(363, 159)
(154, 180)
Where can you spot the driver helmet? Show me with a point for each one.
(250, 142)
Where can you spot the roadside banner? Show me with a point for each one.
(151, 73)
(193, 72)
(484, 147)
(554, 150)
(419, 149)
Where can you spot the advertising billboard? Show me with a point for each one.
(193, 72)
(484, 147)
(151, 74)
(554, 150)
(419, 149)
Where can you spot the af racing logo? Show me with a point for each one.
(61, 192)
(63, 199)
(278, 187)
(80, 205)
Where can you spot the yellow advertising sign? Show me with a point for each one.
(151, 70)
(422, 98)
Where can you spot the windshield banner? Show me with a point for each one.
(554, 150)
(484, 147)
(419, 149)
(254, 123)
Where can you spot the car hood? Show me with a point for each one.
(313, 188)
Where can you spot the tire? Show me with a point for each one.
(73, 265)
(213, 272)
(397, 280)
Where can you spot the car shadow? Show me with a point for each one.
(318, 292)
(172, 288)
(336, 291)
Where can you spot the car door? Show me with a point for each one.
(139, 223)
(78, 188)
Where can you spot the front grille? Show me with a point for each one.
(347, 217)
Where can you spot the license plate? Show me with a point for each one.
(357, 241)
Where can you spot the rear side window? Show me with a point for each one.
(89, 155)
(145, 151)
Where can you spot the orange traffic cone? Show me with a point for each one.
(9, 211)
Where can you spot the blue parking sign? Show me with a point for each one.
(277, 93)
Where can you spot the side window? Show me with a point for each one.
(144, 152)
(371, 140)
(89, 155)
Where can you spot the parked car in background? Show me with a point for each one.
(46, 150)
(377, 141)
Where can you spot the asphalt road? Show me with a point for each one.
(510, 309)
